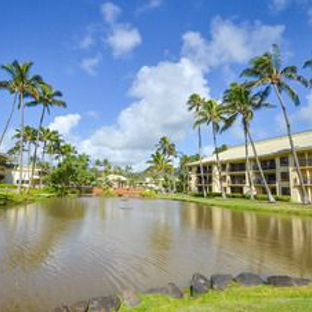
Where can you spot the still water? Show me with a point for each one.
(66, 250)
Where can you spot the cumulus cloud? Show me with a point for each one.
(161, 92)
(65, 124)
(123, 39)
(110, 12)
(279, 5)
(304, 112)
(86, 42)
(90, 64)
(230, 43)
(149, 5)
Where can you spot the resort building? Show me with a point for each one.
(13, 176)
(276, 161)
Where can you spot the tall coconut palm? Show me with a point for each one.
(239, 101)
(213, 113)
(160, 164)
(168, 148)
(194, 104)
(266, 70)
(26, 85)
(48, 98)
(11, 87)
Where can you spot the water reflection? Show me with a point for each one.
(64, 250)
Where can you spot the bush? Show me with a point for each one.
(283, 198)
(9, 186)
(149, 194)
(108, 192)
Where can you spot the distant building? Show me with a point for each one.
(277, 164)
(13, 176)
(117, 181)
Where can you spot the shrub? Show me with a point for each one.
(9, 186)
(283, 198)
(149, 194)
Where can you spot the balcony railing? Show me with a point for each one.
(237, 168)
(259, 181)
(305, 181)
(305, 162)
(238, 182)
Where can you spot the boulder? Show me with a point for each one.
(63, 308)
(104, 304)
(249, 279)
(287, 281)
(81, 306)
(171, 290)
(130, 298)
(220, 281)
(199, 284)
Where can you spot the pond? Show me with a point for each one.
(66, 250)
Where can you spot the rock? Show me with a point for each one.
(287, 281)
(199, 284)
(81, 306)
(170, 290)
(104, 304)
(174, 291)
(302, 281)
(220, 281)
(63, 308)
(249, 279)
(130, 298)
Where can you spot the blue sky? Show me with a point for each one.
(126, 68)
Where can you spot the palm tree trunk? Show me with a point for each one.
(201, 162)
(252, 196)
(214, 133)
(267, 189)
(36, 146)
(9, 120)
(304, 195)
(21, 143)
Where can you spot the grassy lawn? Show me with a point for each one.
(245, 204)
(236, 299)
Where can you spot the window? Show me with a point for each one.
(285, 191)
(284, 161)
(285, 176)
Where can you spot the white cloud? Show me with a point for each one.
(123, 39)
(161, 92)
(304, 112)
(149, 5)
(86, 42)
(279, 5)
(65, 124)
(110, 12)
(90, 64)
(230, 43)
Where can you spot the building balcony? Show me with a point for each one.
(305, 162)
(259, 181)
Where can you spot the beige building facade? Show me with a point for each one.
(276, 161)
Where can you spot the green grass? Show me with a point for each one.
(234, 299)
(246, 204)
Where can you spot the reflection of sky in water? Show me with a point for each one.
(64, 250)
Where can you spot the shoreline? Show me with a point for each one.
(282, 208)
(220, 292)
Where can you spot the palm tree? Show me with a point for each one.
(160, 164)
(47, 98)
(26, 85)
(53, 145)
(266, 70)
(239, 101)
(194, 104)
(168, 148)
(212, 113)
(11, 87)
(184, 171)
